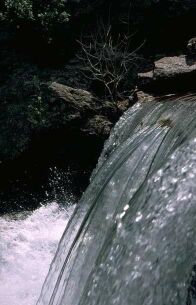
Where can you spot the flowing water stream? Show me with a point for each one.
(132, 238)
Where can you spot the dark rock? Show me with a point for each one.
(98, 125)
(191, 46)
(30, 109)
(47, 124)
(75, 99)
(169, 67)
(171, 74)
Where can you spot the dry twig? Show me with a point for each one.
(108, 60)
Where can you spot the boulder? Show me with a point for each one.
(171, 74)
(169, 67)
(30, 110)
(99, 124)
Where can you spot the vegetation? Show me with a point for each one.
(110, 61)
(43, 15)
(38, 46)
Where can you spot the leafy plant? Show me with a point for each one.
(19, 8)
(44, 15)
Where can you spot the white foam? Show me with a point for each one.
(27, 246)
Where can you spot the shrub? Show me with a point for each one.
(109, 60)
(20, 9)
(43, 14)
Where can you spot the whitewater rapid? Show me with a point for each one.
(28, 242)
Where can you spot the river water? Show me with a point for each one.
(131, 239)
(28, 242)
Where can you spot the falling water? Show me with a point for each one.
(132, 238)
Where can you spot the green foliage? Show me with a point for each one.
(36, 112)
(19, 8)
(43, 14)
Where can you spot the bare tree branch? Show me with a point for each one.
(108, 60)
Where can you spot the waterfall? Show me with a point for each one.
(131, 239)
